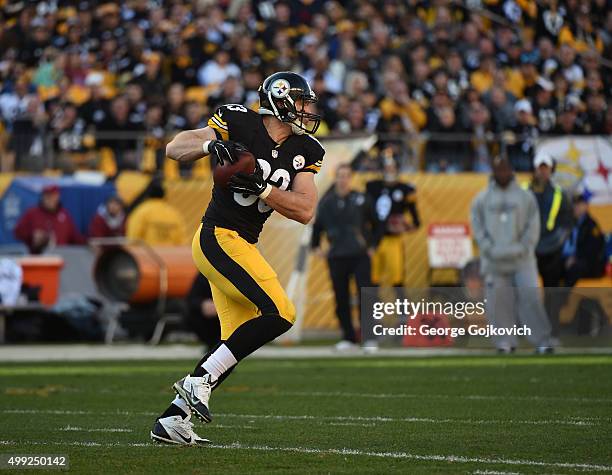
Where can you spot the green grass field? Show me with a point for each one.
(519, 414)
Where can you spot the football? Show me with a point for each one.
(245, 163)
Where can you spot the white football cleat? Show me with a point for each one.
(196, 393)
(176, 430)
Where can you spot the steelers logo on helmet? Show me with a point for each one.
(280, 88)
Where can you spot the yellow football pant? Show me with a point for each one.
(243, 284)
(388, 261)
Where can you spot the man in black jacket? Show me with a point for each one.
(584, 250)
(555, 225)
(348, 220)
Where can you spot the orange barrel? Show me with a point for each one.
(43, 272)
(140, 274)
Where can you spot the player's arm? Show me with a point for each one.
(298, 204)
(188, 146)
(191, 145)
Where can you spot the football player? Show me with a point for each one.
(253, 308)
(392, 199)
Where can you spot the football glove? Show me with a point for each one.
(250, 184)
(225, 150)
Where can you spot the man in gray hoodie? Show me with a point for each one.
(506, 226)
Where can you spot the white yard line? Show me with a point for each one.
(343, 452)
(476, 397)
(428, 420)
(493, 472)
(354, 424)
(573, 421)
(85, 429)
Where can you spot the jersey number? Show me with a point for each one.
(280, 178)
(236, 108)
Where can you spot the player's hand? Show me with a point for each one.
(249, 184)
(225, 150)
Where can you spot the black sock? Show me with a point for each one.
(173, 410)
(255, 333)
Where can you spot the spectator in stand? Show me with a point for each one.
(595, 117)
(152, 80)
(397, 103)
(109, 220)
(115, 133)
(71, 144)
(482, 144)
(155, 221)
(48, 224)
(444, 153)
(568, 122)
(217, 70)
(175, 110)
(95, 109)
(500, 103)
(522, 137)
(570, 69)
(155, 140)
(230, 92)
(545, 105)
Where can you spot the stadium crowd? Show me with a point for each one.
(93, 82)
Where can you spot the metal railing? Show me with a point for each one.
(429, 151)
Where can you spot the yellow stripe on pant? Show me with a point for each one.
(243, 284)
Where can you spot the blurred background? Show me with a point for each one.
(91, 92)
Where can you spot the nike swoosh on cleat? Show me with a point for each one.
(187, 440)
(193, 395)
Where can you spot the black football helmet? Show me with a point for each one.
(278, 95)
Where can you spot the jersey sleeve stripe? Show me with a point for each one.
(221, 121)
(222, 131)
(220, 124)
(314, 167)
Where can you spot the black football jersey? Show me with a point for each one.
(392, 199)
(247, 214)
